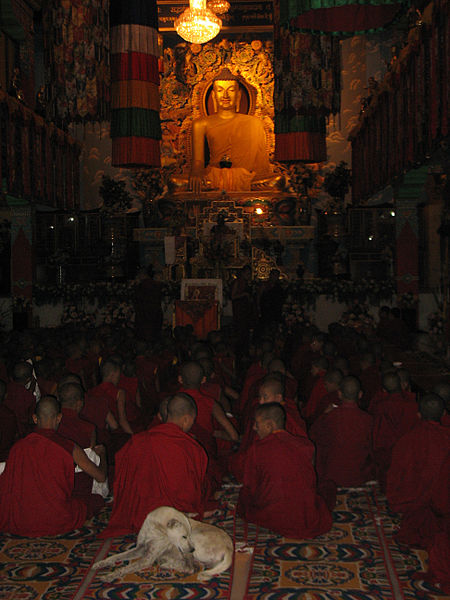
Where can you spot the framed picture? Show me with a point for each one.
(202, 289)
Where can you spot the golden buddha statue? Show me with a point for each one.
(238, 159)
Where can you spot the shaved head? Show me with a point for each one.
(70, 394)
(272, 412)
(163, 409)
(276, 365)
(442, 389)
(47, 409)
(179, 406)
(273, 383)
(22, 372)
(391, 382)
(333, 376)
(350, 388)
(431, 407)
(191, 374)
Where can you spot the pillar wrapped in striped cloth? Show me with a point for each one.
(135, 124)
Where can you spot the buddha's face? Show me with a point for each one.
(226, 94)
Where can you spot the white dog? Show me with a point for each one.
(174, 541)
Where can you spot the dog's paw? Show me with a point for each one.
(203, 576)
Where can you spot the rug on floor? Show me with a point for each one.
(356, 560)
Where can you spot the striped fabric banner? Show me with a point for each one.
(135, 124)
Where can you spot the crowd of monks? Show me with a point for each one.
(163, 422)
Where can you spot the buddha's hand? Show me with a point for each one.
(195, 182)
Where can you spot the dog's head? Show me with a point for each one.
(180, 535)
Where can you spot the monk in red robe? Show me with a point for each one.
(332, 381)
(36, 488)
(72, 427)
(271, 390)
(393, 417)
(343, 438)
(415, 471)
(8, 425)
(102, 406)
(164, 466)
(442, 389)
(370, 378)
(279, 490)
(318, 371)
(19, 397)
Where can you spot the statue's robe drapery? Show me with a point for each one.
(242, 139)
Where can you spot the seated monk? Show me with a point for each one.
(370, 378)
(36, 488)
(238, 158)
(415, 471)
(343, 438)
(19, 397)
(100, 402)
(442, 389)
(393, 417)
(319, 369)
(209, 414)
(72, 427)
(164, 466)
(271, 390)
(406, 384)
(280, 490)
(332, 381)
(8, 425)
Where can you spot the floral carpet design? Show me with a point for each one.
(356, 560)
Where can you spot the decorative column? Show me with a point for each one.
(135, 124)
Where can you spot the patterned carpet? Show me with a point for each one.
(356, 560)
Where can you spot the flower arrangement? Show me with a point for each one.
(436, 323)
(304, 293)
(294, 315)
(116, 198)
(74, 315)
(337, 182)
(119, 314)
(358, 317)
(407, 300)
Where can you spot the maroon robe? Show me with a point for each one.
(393, 417)
(370, 379)
(36, 487)
(22, 402)
(280, 491)
(415, 471)
(72, 427)
(343, 439)
(132, 410)
(8, 431)
(323, 403)
(294, 425)
(318, 392)
(160, 467)
(79, 431)
(254, 374)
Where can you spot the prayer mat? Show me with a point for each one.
(356, 560)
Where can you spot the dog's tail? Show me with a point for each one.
(222, 565)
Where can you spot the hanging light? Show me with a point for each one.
(220, 7)
(197, 24)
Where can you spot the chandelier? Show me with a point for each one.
(220, 7)
(197, 24)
